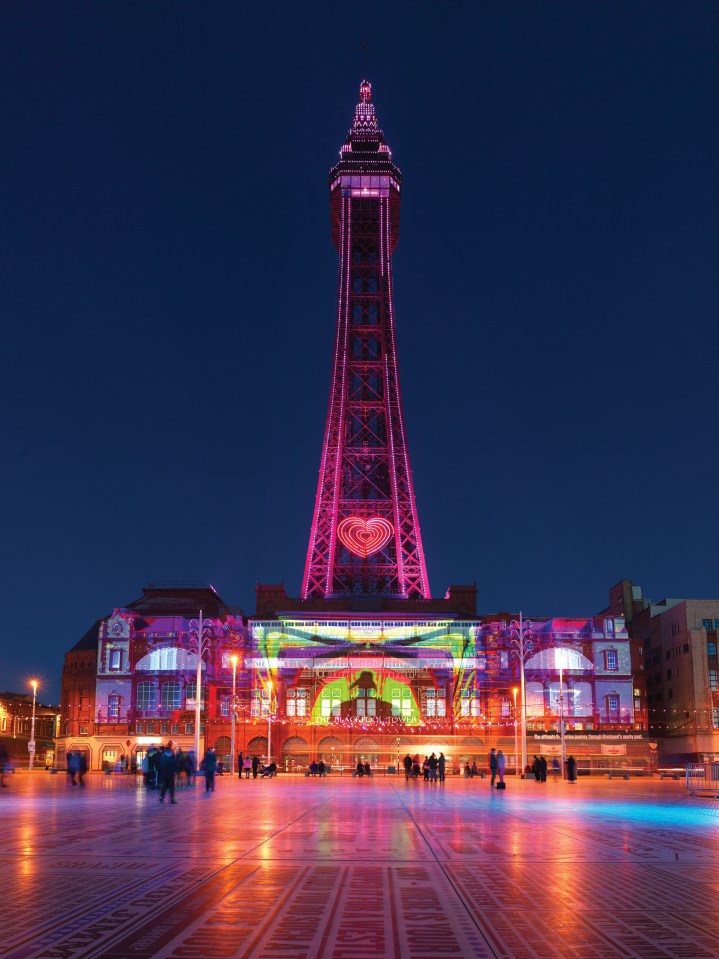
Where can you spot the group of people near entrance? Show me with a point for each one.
(167, 769)
(432, 768)
(539, 768)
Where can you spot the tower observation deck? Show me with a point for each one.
(365, 537)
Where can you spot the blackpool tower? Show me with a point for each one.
(365, 536)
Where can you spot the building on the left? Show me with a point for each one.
(130, 680)
(16, 730)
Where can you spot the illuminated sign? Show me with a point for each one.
(365, 536)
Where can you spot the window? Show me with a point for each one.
(669, 674)
(113, 707)
(713, 679)
(613, 704)
(668, 654)
(609, 627)
(139, 728)
(145, 695)
(715, 717)
(716, 624)
(707, 624)
(189, 729)
(226, 664)
(225, 706)
(164, 729)
(711, 647)
(504, 660)
(84, 697)
(506, 707)
(83, 730)
(685, 648)
(115, 659)
(611, 659)
(190, 694)
(171, 695)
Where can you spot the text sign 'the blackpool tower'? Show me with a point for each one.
(365, 535)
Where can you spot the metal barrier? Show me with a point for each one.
(703, 779)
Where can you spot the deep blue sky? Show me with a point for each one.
(167, 287)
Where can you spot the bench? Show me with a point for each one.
(672, 773)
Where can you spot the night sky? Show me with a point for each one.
(168, 282)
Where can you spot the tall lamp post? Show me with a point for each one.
(31, 744)
(516, 736)
(561, 716)
(269, 722)
(233, 660)
(200, 630)
(523, 644)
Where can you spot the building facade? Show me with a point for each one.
(16, 730)
(677, 643)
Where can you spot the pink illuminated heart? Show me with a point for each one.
(365, 536)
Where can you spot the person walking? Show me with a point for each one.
(501, 764)
(168, 772)
(493, 765)
(210, 766)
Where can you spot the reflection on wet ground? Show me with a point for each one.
(337, 868)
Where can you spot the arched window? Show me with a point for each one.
(146, 695)
(170, 695)
(535, 699)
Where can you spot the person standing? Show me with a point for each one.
(571, 769)
(433, 768)
(407, 766)
(168, 772)
(4, 759)
(81, 767)
(441, 766)
(501, 763)
(493, 765)
(255, 766)
(543, 768)
(248, 767)
(537, 769)
(210, 766)
(240, 765)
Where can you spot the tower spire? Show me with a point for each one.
(365, 535)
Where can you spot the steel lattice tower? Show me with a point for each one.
(365, 536)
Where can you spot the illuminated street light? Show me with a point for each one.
(269, 723)
(200, 629)
(516, 735)
(233, 660)
(31, 744)
(523, 648)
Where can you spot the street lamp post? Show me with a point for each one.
(516, 735)
(201, 630)
(561, 717)
(523, 646)
(31, 744)
(269, 723)
(233, 660)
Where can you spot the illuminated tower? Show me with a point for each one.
(365, 536)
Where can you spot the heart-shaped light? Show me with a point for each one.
(365, 536)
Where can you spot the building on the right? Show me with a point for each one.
(676, 643)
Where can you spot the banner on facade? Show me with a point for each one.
(614, 749)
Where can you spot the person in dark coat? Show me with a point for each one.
(210, 766)
(255, 766)
(493, 765)
(168, 772)
(81, 768)
(571, 769)
(240, 765)
(441, 766)
(543, 768)
(537, 769)
(407, 766)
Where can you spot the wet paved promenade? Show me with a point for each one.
(341, 869)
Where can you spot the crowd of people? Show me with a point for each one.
(432, 768)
